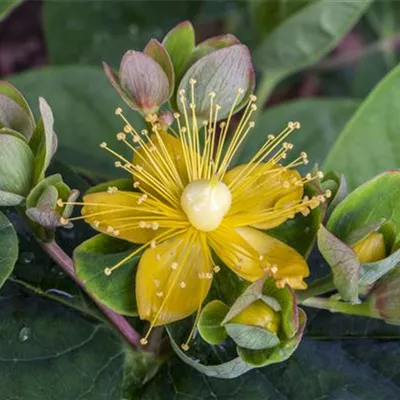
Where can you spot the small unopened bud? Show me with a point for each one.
(385, 298)
(259, 314)
(371, 248)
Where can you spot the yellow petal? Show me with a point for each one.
(118, 214)
(259, 314)
(371, 248)
(266, 188)
(236, 253)
(251, 254)
(172, 280)
(286, 264)
(169, 149)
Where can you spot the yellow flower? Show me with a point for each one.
(190, 210)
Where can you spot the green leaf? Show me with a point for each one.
(346, 267)
(268, 14)
(321, 120)
(8, 248)
(251, 337)
(349, 369)
(50, 347)
(210, 322)
(16, 169)
(116, 291)
(6, 6)
(305, 38)
(103, 31)
(79, 119)
(372, 133)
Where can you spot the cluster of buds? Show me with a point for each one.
(163, 71)
(361, 246)
(26, 150)
(263, 318)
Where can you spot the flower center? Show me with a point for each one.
(205, 203)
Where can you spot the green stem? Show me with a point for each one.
(362, 309)
(316, 288)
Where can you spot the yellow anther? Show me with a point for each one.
(64, 221)
(182, 285)
(121, 136)
(185, 347)
(103, 145)
(174, 265)
(143, 341)
(107, 271)
(153, 244)
(60, 203)
(216, 269)
(118, 111)
(159, 294)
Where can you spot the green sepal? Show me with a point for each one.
(338, 187)
(345, 265)
(226, 370)
(375, 199)
(179, 43)
(252, 293)
(116, 291)
(261, 358)
(14, 111)
(288, 307)
(16, 169)
(41, 203)
(157, 52)
(251, 337)
(44, 140)
(210, 322)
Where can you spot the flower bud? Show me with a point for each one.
(259, 314)
(146, 79)
(49, 201)
(385, 297)
(228, 73)
(16, 168)
(15, 113)
(371, 248)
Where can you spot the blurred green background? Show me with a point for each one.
(332, 65)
